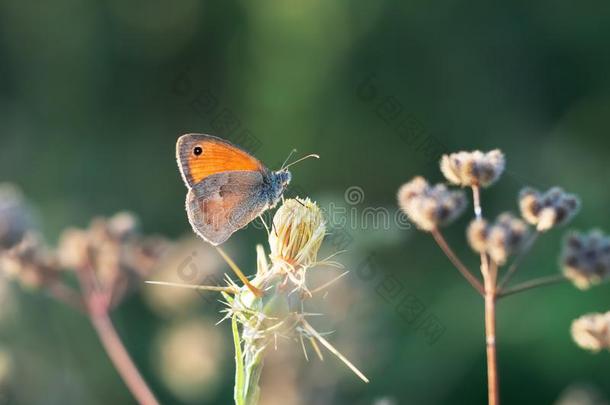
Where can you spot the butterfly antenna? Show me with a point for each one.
(301, 159)
(292, 152)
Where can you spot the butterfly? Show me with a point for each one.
(227, 186)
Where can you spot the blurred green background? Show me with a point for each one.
(94, 94)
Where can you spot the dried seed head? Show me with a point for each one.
(430, 207)
(592, 331)
(473, 168)
(30, 262)
(297, 233)
(15, 216)
(547, 210)
(500, 240)
(586, 258)
(477, 234)
(114, 249)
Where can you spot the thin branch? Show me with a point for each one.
(528, 285)
(517, 261)
(68, 296)
(442, 243)
(328, 284)
(229, 290)
(476, 199)
(239, 273)
(98, 304)
(332, 349)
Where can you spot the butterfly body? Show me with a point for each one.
(228, 187)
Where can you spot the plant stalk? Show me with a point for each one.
(493, 390)
(490, 273)
(120, 358)
(98, 303)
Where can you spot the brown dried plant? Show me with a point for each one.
(107, 261)
(507, 240)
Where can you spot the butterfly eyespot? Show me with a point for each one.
(197, 150)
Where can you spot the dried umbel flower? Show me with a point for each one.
(547, 210)
(500, 240)
(297, 234)
(15, 217)
(477, 234)
(430, 207)
(30, 262)
(475, 168)
(113, 249)
(592, 331)
(586, 258)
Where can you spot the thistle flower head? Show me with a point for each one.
(475, 168)
(586, 258)
(297, 234)
(500, 240)
(430, 207)
(592, 331)
(547, 210)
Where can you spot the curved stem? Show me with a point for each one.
(442, 243)
(98, 302)
(121, 359)
(535, 283)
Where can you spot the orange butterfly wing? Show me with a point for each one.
(214, 156)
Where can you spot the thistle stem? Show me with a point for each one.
(535, 283)
(442, 243)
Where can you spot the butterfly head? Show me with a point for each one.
(279, 182)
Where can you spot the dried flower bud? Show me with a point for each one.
(30, 262)
(114, 249)
(473, 168)
(586, 258)
(297, 234)
(547, 210)
(123, 225)
(430, 207)
(500, 240)
(15, 217)
(477, 234)
(592, 331)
